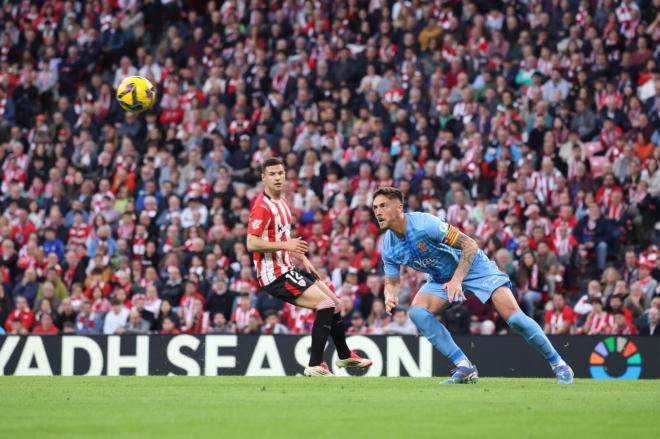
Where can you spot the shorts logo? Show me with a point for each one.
(421, 246)
(256, 223)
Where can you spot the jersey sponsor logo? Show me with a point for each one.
(282, 228)
(421, 246)
(256, 223)
(422, 263)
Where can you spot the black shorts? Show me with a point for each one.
(290, 285)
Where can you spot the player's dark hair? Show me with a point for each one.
(272, 161)
(390, 192)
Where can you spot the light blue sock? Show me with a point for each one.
(534, 336)
(437, 334)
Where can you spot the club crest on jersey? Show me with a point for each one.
(421, 246)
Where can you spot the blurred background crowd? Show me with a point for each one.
(533, 126)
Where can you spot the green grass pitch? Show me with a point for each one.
(293, 407)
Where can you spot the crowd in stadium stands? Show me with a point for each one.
(533, 126)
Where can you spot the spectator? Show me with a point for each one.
(220, 325)
(609, 280)
(653, 327)
(531, 283)
(166, 312)
(358, 325)
(221, 300)
(244, 310)
(616, 306)
(45, 307)
(28, 286)
(636, 302)
(135, 324)
(190, 296)
(152, 302)
(65, 314)
(86, 322)
(138, 304)
(560, 318)
(54, 285)
(172, 289)
(53, 245)
(116, 318)
(598, 320)
(21, 314)
(629, 268)
(300, 320)
(621, 325)
(253, 325)
(16, 327)
(591, 233)
(645, 280)
(7, 113)
(378, 319)
(400, 324)
(45, 326)
(583, 306)
(168, 327)
(272, 325)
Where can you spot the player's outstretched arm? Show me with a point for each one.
(392, 291)
(256, 244)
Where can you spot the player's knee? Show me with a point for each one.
(325, 304)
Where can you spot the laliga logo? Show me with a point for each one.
(615, 358)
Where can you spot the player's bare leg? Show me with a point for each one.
(506, 305)
(422, 313)
(347, 358)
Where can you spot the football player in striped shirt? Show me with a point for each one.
(453, 262)
(269, 238)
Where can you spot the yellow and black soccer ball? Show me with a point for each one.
(136, 94)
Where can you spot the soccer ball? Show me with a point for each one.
(136, 94)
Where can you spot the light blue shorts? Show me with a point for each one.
(482, 280)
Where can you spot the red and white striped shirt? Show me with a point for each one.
(556, 319)
(78, 234)
(565, 245)
(241, 317)
(270, 220)
(601, 323)
(544, 185)
(298, 320)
